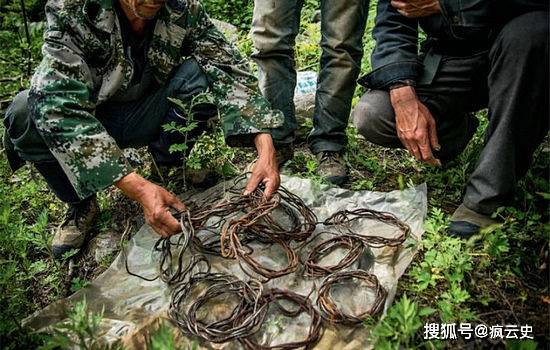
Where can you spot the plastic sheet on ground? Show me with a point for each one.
(134, 308)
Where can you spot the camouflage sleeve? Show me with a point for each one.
(244, 111)
(62, 106)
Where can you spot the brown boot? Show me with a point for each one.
(332, 167)
(78, 222)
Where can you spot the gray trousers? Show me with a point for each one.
(274, 29)
(134, 123)
(511, 79)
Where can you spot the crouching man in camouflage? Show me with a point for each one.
(109, 67)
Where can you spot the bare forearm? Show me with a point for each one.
(155, 201)
(264, 145)
(415, 125)
(132, 185)
(265, 170)
(402, 94)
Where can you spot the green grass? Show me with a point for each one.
(498, 277)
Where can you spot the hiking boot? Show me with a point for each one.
(465, 222)
(332, 167)
(78, 223)
(284, 154)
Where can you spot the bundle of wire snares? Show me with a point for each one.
(354, 246)
(232, 247)
(172, 270)
(342, 220)
(244, 319)
(226, 224)
(330, 310)
(250, 218)
(238, 220)
(255, 215)
(304, 305)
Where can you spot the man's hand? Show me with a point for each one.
(416, 8)
(266, 169)
(156, 203)
(415, 125)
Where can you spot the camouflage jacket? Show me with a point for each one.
(84, 65)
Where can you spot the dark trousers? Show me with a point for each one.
(136, 123)
(511, 79)
(274, 29)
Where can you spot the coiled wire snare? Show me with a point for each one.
(244, 319)
(329, 309)
(342, 220)
(304, 305)
(354, 246)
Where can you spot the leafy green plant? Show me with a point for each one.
(362, 184)
(443, 269)
(308, 52)
(495, 242)
(306, 165)
(80, 329)
(399, 328)
(524, 344)
(78, 283)
(371, 167)
(26, 263)
(244, 44)
(162, 339)
(236, 12)
(186, 110)
(209, 150)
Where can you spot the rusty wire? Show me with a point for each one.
(302, 220)
(245, 318)
(341, 220)
(353, 244)
(169, 273)
(225, 224)
(232, 247)
(329, 309)
(232, 223)
(304, 306)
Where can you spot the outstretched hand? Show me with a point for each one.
(155, 201)
(415, 125)
(265, 169)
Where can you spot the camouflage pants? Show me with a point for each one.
(136, 123)
(274, 29)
